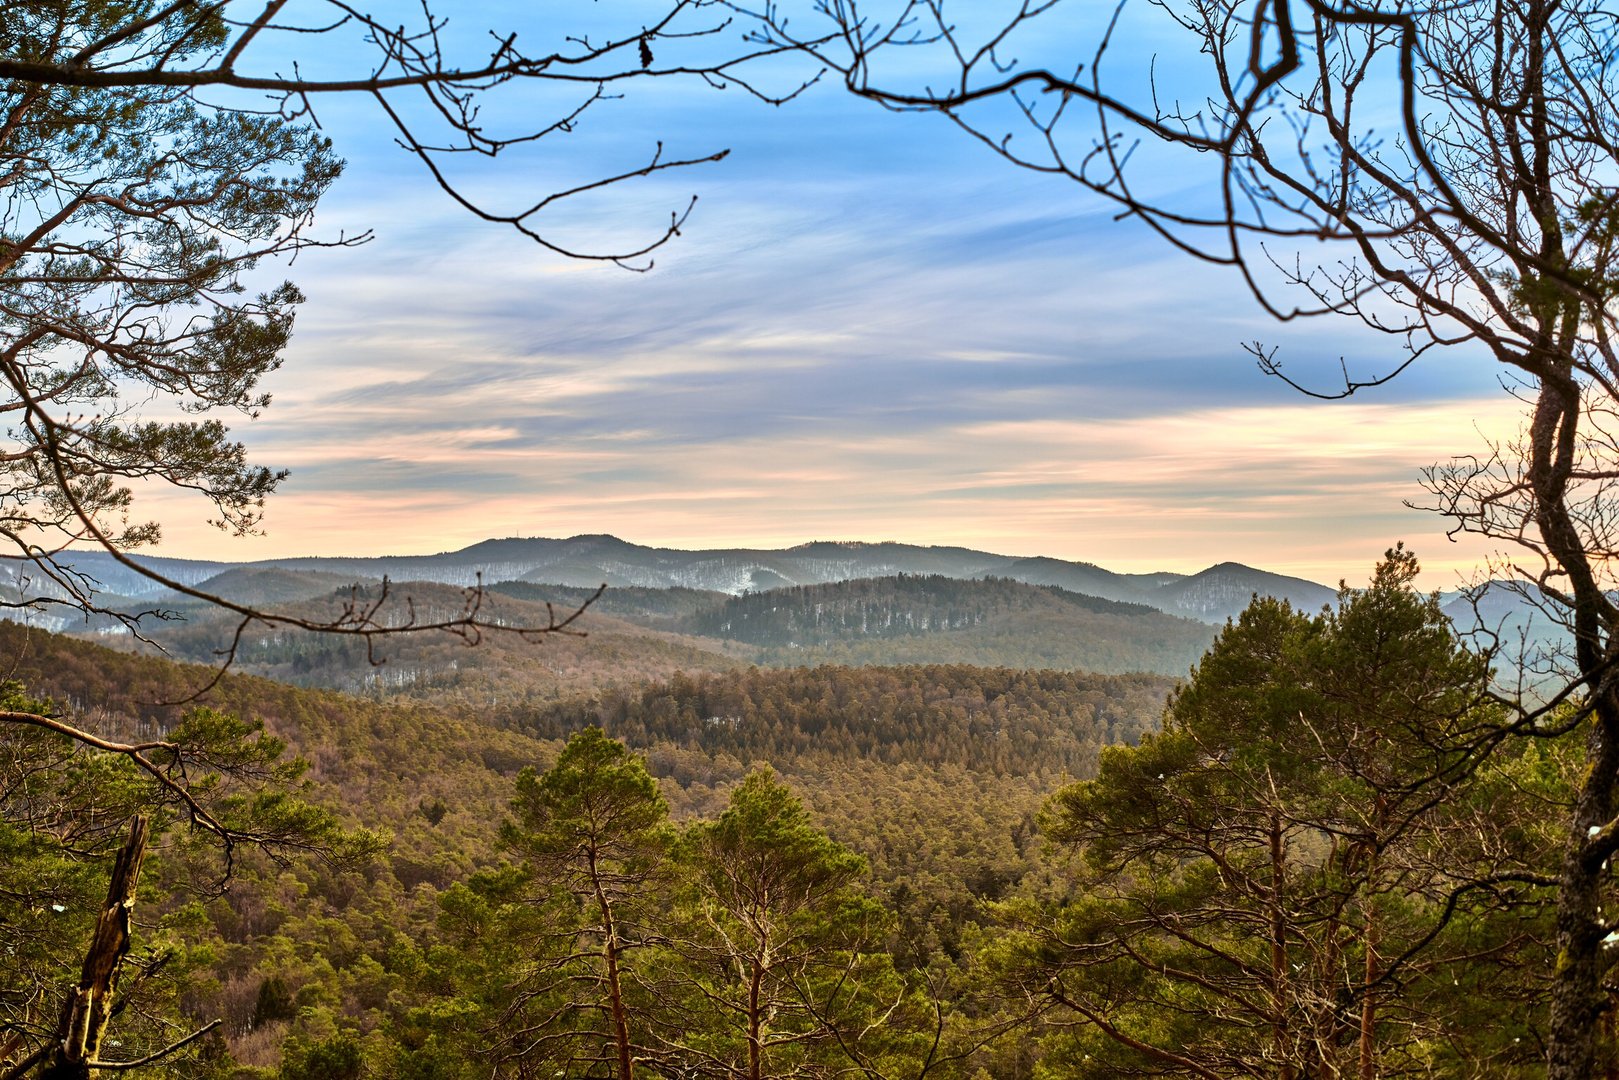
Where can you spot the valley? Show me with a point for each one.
(929, 733)
(935, 775)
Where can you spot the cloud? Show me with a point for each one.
(870, 329)
(1307, 488)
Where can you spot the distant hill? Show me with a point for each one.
(935, 619)
(658, 609)
(1222, 591)
(440, 667)
(901, 606)
(650, 633)
(587, 561)
(908, 619)
(260, 585)
(1510, 616)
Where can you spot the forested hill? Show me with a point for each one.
(914, 619)
(439, 667)
(992, 720)
(935, 774)
(902, 606)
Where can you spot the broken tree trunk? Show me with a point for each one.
(88, 1008)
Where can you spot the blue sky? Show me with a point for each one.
(872, 328)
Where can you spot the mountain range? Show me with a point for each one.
(1211, 595)
(668, 610)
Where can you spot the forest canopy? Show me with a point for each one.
(1304, 861)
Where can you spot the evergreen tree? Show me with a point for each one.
(594, 832)
(1276, 884)
(775, 929)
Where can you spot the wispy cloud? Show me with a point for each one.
(872, 330)
(1309, 489)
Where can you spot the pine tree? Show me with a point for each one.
(1273, 885)
(774, 923)
(594, 831)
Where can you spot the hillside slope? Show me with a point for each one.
(601, 651)
(637, 634)
(936, 775)
(1223, 591)
(936, 619)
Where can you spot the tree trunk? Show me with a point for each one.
(615, 991)
(1373, 937)
(1610, 1029)
(88, 1008)
(1278, 951)
(1577, 999)
(621, 1026)
(755, 1024)
(1328, 1021)
(1368, 1002)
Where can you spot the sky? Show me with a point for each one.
(871, 328)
